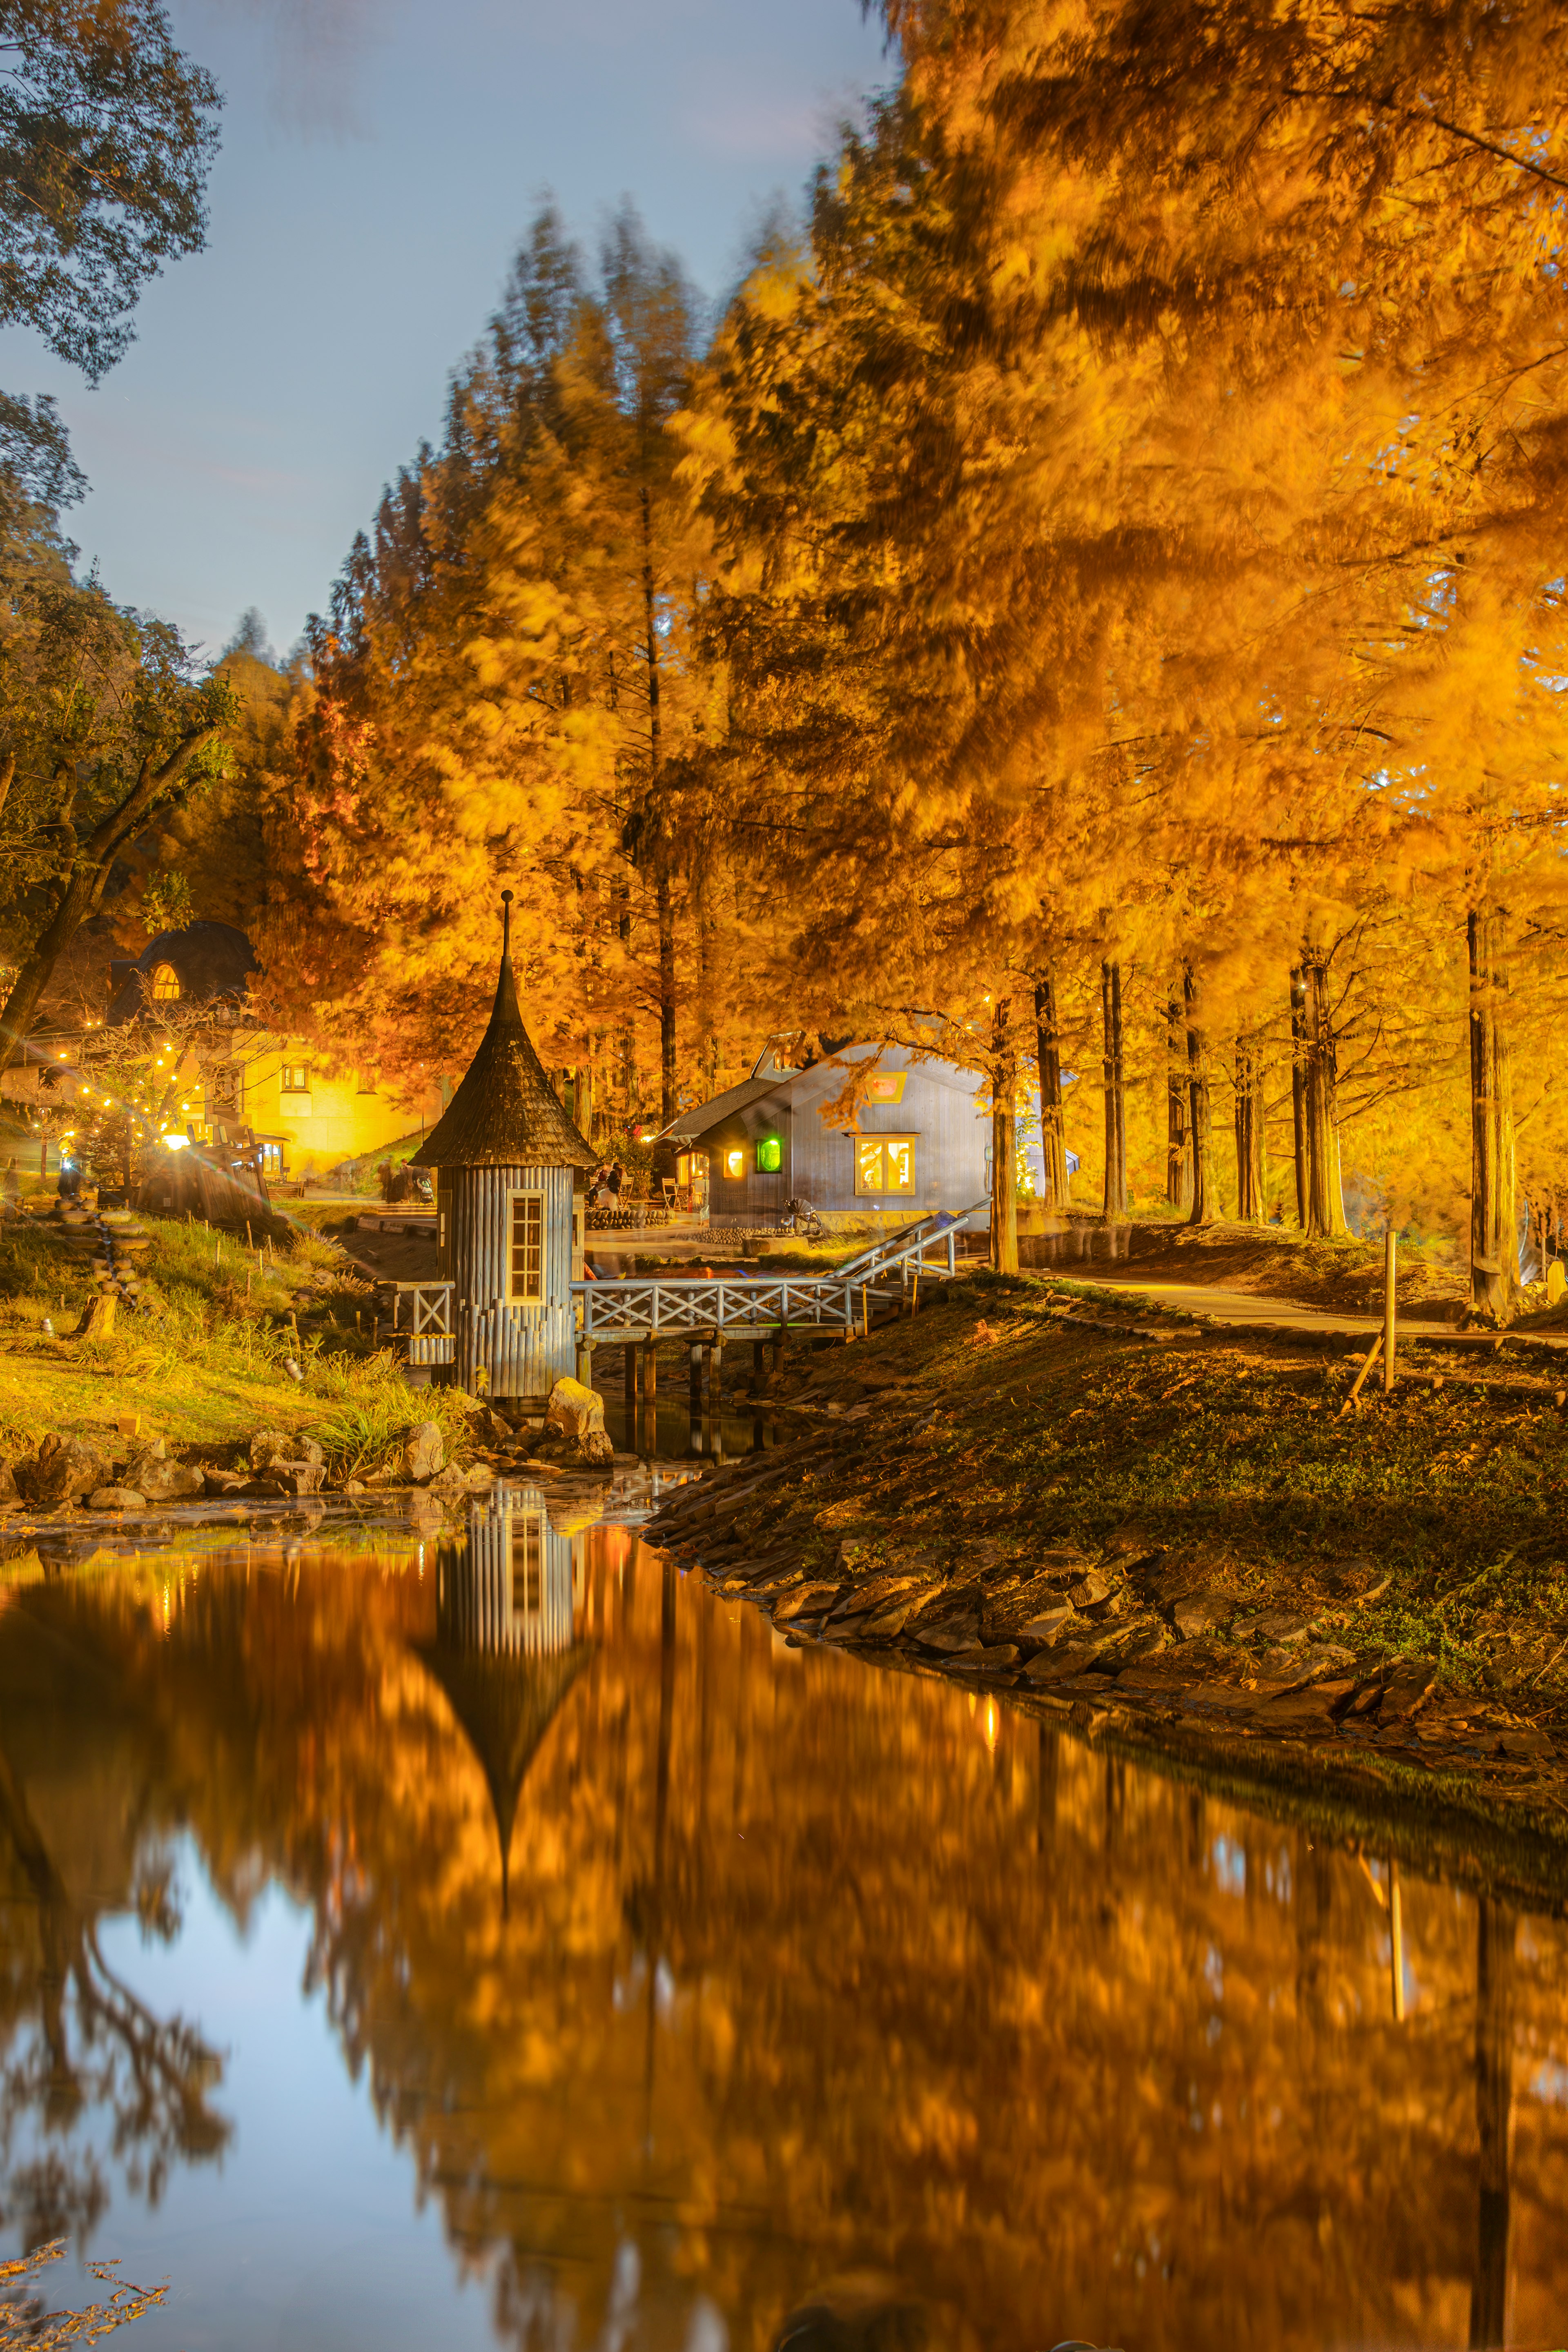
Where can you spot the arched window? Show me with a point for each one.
(165, 984)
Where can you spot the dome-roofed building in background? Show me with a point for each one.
(204, 964)
(509, 1165)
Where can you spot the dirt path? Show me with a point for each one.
(1239, 1308)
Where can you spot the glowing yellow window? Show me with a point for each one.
(165, 984)
(884, 1163)
(527, 1270)
(886, 1087)
(734, 1163)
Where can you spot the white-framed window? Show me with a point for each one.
(294, 1078)
(525, 1250)
(885, 1163)
(272, 1160)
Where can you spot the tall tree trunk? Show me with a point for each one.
(1053, 1127)
(1004, 1141)
(1178, 1104)
(1204, 1208)
(669, 1103)
(1495, 1928)
(1299, 1086)
(1115, 1092)
(1320, 1110)
(1494, 1200)
(1249, 1155)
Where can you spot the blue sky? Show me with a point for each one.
(380, 160)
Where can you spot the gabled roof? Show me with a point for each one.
(703, 1116)
(505, 1114)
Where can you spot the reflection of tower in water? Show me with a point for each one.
(506, 1651)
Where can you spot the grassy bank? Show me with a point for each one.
(203, 1360)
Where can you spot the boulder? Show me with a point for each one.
(1049, 1625)
(574, 1410)
(424, 1453)
(165, 1481)
(62, 1471)
(7, 1483)
(116, 1498)
(223, 1482)
(290, 1479)
(270, 1446)
(1090, 1589)
(597, 1446)
(489, 1429)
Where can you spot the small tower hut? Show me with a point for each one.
(507, 1159)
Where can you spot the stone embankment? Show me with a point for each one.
(67, 1475)
(1118, 1636)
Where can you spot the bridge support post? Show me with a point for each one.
(779, 1338)
(585, 1362)
(695, 1373)
(630, 1353)
(649, 1369)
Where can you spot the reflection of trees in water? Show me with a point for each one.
(88, 2071)
(804, 1967)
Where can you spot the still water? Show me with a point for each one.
(511, 1944)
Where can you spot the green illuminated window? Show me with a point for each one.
(770, 1156)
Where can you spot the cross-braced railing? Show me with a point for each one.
(421, 1320)
(738, 1308)
(929, 1245)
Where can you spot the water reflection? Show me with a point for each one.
(669, 1430)
(691, 1972)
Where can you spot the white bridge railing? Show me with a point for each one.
(743, 1307)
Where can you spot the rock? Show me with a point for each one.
(270, 1446)
(1278, 1625)
(1406, 1691)
(62, 1471)
(489, 1429)
(223, 1482)
(951, 1640)
(1062, 1664)
(1303, 1710)
(1349, 1580)
(1201, 1613)
(805, 1601)
(116, 1498)
(999, 1658)
(574, 1409)
(7, 1483)
(355, 1486)
(290, 1479)
(1526, 1743)
(424, 1453)
(1090, 1589)
(165, 1481)
(1130, 1543)
(1050, 1626)
(598, 1447)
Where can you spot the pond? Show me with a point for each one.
(505, 1942)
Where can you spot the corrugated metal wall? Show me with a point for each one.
(524, 1349)
(482, 1598)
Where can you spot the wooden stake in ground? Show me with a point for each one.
(1373, 1353)
(1390, 1306)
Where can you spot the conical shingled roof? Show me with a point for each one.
(504, 1114)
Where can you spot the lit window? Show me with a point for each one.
(527, 1247)
(770, 1156)
(886, 1087)
(735, 1164)
(272, 1160)
(295, 1078)
(884, 1163)
(165, 984)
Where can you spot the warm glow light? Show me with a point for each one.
(734, 1163)
(991, 1723)
(175, 1142)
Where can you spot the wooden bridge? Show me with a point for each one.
(707, 1310)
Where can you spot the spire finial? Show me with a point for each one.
(506, 923)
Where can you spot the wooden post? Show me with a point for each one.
(1372, 1354)
(1390, 1306)
(585, 1362)
(649, 1370)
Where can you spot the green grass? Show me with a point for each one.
(203, 1361)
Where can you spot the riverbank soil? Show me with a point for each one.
(1066, 1495)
